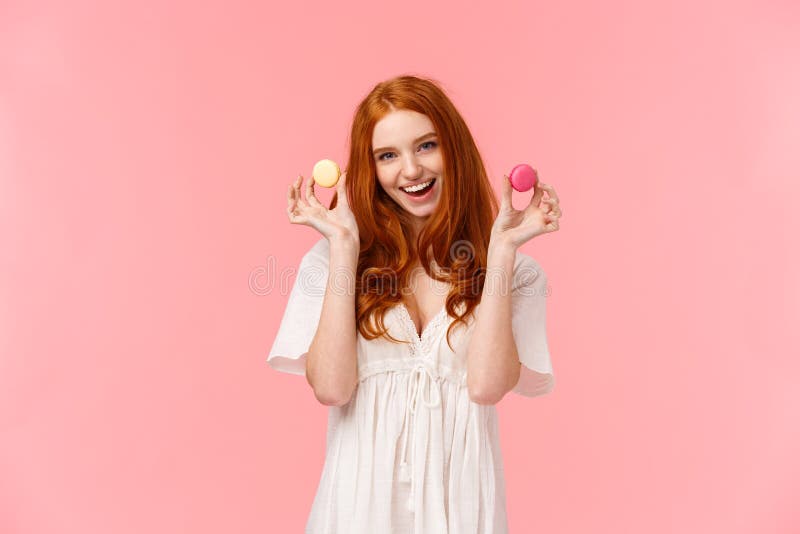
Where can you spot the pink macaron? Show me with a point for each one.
(523, 177)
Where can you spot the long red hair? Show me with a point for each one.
(456, 236)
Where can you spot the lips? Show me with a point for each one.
(422, 194)
(413, 188)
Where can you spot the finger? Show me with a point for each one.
(507, 193)
(552, 223)
(296, 188)
(301, 202)
(555, 207)
(296, 213)
(291, 210)
(538, 192)
(552, 205)
(554, 213)
(294, 194)
(543, 205)
(310, 196)
(341, 190)
(551, 192)
(291, 201)
(289, 196)
(296, 218)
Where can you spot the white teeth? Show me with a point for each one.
(416, 187)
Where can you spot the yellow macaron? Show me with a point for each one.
(326, 173)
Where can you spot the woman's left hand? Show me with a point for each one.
(540, 216)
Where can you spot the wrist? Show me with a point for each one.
(344, 243)
(501, 248)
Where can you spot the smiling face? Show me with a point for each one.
(406, 152)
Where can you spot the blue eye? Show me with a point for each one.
(422, 145)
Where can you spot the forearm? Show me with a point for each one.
(492, 361)
(331, 365)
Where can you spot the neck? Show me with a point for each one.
(417, 225)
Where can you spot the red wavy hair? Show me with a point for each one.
(456, 236)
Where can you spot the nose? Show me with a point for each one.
(411, 167)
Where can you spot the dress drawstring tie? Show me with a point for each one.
(423, 377)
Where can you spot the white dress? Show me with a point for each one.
(410, 452)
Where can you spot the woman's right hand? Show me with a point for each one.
(336, 224)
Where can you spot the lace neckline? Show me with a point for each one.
(432, 325)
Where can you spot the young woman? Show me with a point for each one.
(411, 317)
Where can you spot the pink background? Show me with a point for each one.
(145, 152)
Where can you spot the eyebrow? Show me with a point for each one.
(417, 140)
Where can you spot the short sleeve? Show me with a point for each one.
(528, 313)
(303, 309)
